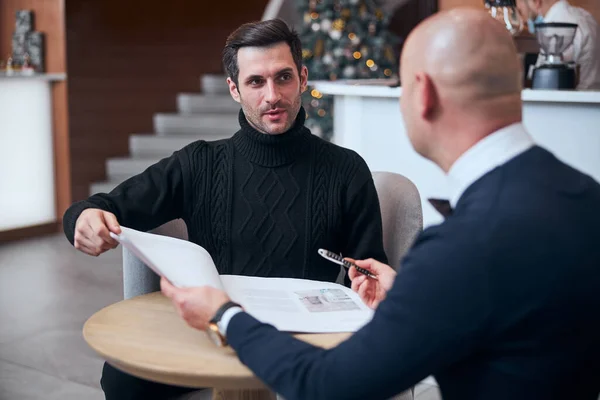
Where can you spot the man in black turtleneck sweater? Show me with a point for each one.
(262, 202)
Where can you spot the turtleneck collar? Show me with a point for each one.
(272, 150)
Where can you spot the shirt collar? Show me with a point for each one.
(487, 154)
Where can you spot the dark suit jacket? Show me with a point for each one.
(501, 301)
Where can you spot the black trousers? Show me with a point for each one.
(118, 385)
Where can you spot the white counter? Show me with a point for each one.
(367, 119)
(362, 89)
(35, 77)
(27, 192)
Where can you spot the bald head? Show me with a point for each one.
(461, 80)
(469, 56)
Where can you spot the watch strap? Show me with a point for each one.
(221, 311)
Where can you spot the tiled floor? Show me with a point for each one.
(47, 291)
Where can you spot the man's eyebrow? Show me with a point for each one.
(285, 70)
(253, 77)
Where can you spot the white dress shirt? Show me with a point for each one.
(490, 152)
(227, 315)
(585, 49)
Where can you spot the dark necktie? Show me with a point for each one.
(442, 206)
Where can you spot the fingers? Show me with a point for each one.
(112, 223)
(353, 273)
(166, 287)
(195, 305)
(87, 246)
(356, 282)
(367, 264)
(181, 296)
(92, 234)
(363, 292)
(82, 235)
(365, 289)
(374, 266)
(87, 250)
(176, 295)
(101, 231)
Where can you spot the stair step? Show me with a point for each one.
(191, 103)
(211, 115)
(195, 124)
(119, 169)
(151, 146)
(103, 187)
(214, 84)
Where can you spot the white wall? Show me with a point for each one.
(27, 195)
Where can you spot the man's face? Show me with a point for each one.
(269, 88)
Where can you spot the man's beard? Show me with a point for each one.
(255, 118)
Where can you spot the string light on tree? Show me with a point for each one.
(343, 39)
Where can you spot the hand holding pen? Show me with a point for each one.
(372, 292)
(344, 262)
(370, 278)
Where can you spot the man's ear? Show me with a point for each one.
(426, 95)
(303, 79)
(233, 90)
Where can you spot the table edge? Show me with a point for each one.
(180, 378)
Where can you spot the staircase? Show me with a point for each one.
(211, 115)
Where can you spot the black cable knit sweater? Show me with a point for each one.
(260, 204)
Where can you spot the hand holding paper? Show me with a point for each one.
(93, 231)
(197, 306)
(183, 263)
(293, 305)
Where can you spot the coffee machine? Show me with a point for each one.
(554, 73)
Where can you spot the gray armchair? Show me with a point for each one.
(138, 279)
(401, 214)
(402, 221)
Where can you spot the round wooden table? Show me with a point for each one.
(145, 337)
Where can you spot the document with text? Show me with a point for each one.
(293, 305)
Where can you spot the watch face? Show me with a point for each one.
(215, 335)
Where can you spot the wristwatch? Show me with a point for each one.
(213, 331)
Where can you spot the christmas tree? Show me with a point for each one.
(343, 39)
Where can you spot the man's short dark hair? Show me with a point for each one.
(260, 34)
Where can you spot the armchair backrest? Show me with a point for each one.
(401, 213)
(138, 279)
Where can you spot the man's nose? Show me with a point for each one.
(272, 96)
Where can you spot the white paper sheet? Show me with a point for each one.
(293, 305)
(183, 263)
(299, 305)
